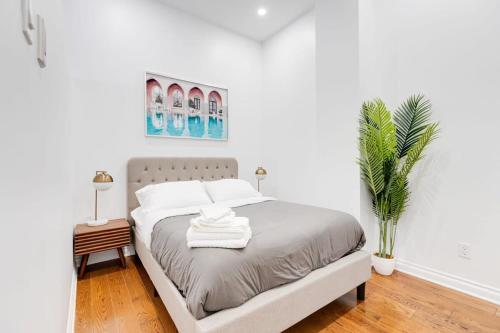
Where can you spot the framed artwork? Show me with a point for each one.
(177, 108)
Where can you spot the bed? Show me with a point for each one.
(265, 311)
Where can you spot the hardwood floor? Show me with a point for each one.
(112, 299)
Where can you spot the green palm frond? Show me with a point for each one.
(377, 144)
(411, 119)
(390, 168)
(365, 107)
(364, 118)
(415, 153)
(400, 195)
(371, 161)
(389, 149)
(381, 120)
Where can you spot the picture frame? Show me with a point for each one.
(184, 109)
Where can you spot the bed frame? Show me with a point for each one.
(271, 311)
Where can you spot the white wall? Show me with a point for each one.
(36, 246)
(311, 85)
(448, 50)
(112, 44)
(337, 85)
(289, 119)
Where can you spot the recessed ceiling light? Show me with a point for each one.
(261, 11)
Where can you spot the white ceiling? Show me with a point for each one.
(241, 15)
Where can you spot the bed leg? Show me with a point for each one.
(360, 292)
(155, 293)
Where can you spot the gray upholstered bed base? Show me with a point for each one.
(270, 311)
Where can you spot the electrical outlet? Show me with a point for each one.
(464, 250)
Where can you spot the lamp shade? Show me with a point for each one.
(102, 181)
(260, 173)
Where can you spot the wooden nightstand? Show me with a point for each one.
(87, 240)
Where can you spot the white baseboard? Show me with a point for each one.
(466, 286)
(70, 327)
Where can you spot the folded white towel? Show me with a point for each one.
(225, 243)
(229, 230)
(236, 243)
(234, 224)
(213, 213)
(224, 219)
(218, 226)
(195, 235)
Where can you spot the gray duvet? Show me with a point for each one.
(289, 241)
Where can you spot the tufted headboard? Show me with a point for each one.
(149, 170)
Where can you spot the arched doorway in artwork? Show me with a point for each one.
(155, 103)
(196, 98)
(214, 103)
(175, 96)
(154, 93)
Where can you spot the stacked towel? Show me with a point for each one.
(218, 226)
(215, 213)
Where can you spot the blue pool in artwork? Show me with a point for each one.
(181, 125)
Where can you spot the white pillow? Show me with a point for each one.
(172, 195)
(230, 189)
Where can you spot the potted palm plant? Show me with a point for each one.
(389, 148)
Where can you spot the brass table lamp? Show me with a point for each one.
(260, 174)
(102, 182)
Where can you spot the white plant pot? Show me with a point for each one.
(383, 266)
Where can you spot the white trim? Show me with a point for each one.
(70, 326)
(487, 293)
